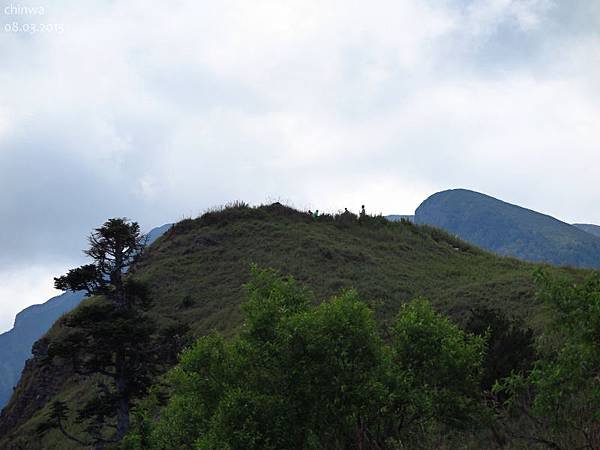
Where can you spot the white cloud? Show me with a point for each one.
(160, 111)
(484, 17)
(20, 288)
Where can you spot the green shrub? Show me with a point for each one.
(306, 376)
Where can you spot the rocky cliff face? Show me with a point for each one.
(36, 389)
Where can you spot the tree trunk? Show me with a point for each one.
(117, 279)
(122, 396)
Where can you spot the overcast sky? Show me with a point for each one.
(159, 110)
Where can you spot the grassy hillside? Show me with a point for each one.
(509, 230)
(197, 269)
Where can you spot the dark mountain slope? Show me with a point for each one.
(509, 229)
(31, 324)
(588, 228)
(197, 269)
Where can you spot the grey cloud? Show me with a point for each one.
(158, 113)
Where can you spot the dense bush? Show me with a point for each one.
(307, 376)
(558, 401)
(510, 346)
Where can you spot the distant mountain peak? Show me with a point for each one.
(509, 229)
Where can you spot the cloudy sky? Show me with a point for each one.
(157, 111)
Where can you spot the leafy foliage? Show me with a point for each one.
(510, 346)
(307, 376)
(560, 397)
(110, 338)
(441, 364)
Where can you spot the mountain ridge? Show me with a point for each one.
(589, 228)
(197, 270)
(509, 230)
(30, 325)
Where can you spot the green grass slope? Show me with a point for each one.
(197, 269)
(508, 229)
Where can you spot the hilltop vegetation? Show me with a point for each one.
(510, 230)
(195, 274)
(306, 376)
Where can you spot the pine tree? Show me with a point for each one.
(109, 338)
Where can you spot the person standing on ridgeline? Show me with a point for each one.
(346, 217)
(315, 214)
(363, 214)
